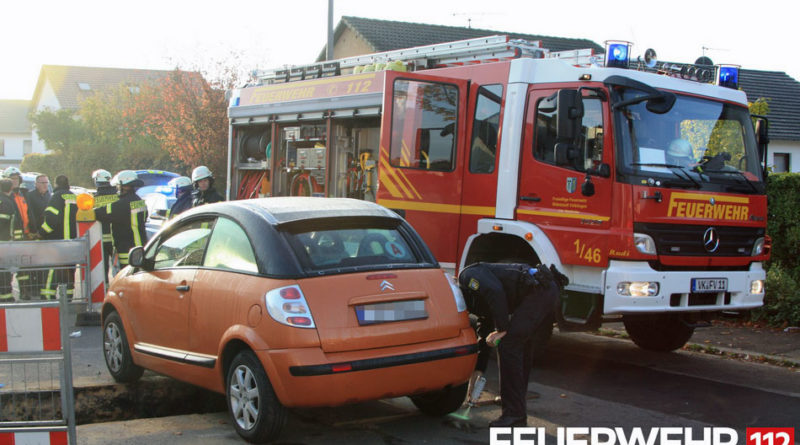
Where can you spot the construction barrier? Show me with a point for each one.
(93, 233)
(36, 395)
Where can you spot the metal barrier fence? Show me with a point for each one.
(36, 395)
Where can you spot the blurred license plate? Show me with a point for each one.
(392, 311)
(700, 285)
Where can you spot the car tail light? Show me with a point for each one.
(287, 305)
(461, 305)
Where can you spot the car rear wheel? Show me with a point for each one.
(662, 333)
(257, 414)
(117, 352)
(439, 403)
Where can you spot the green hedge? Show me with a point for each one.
(782, 300)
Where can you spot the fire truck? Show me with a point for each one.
(643, 181)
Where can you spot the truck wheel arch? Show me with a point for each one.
(511, 242)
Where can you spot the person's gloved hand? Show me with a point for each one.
(543, 274)
(560, 278)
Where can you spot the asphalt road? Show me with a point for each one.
(586, 381)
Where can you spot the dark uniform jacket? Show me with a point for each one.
(127, 216)
(183, 203)
(503, 287)
(105, 195)
(207, 197)
(59, 216)
(36, 205)
(10, 219)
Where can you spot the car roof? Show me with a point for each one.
(285, 210)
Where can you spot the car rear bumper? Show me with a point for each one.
(310, 377)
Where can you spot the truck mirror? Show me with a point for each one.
(566, 153)
(569, 114)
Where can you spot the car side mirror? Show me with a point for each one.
(136, 257)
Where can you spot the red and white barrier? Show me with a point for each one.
(97, 282)
(34, 438)
(30, 330)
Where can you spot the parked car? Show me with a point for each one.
(158, 205)
(155, 181)
(290, 302)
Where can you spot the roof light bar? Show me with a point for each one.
(728, 76)
(617, 53)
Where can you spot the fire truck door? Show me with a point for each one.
(419, 170)
(555, 192)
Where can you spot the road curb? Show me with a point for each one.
(743, 354)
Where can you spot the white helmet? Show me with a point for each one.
(11, 171)
(125, 177)
(680, 148)
(99, 176)
(201, 172)
(181, 182)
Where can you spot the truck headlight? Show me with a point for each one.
(757, 287)
(638, 288)
(644, 243)
(758, 247)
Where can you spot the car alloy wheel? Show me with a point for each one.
(112, 346)
(244, 397)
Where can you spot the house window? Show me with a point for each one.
(84, 86)
(27, 147)
(2, 147)
(781, 162)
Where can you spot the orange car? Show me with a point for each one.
(288, 302)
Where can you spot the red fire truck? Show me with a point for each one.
(643, 181)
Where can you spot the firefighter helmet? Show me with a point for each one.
(680, 148)
(101, 176)
(201, 172)
(181, 183)
(11, 171)
(126, 177)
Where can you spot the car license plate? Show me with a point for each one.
(391, 311)
(709, 285)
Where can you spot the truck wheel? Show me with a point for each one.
(439, 403)
(117, 352)
(663, 332)
(257, 414)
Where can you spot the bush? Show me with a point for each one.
(782, 300)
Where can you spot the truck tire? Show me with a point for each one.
(662, 332)
(439, 403)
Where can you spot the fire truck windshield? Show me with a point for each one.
(699, 143)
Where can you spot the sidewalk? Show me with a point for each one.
(740, 340)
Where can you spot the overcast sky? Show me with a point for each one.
(269, 33)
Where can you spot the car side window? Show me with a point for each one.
(184, 247)
(229, 248)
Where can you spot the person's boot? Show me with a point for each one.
(508, 421)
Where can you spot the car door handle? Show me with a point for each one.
(182, 288)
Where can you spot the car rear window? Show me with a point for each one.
(354, 247)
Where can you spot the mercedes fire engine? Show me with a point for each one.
(643, 181)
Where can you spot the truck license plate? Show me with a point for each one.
(703, 285)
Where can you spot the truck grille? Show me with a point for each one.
(688, 240)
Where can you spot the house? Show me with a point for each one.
(356, 35)
(15, 132)
(63, 87)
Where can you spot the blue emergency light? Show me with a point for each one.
(728, 77)
(617, 54)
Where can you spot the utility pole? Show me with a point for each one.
(329, 52)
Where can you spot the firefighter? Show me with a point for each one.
(59, 223)
(37, 201)
(680, 153)
(204, 192)
(105, 194)
(127, 215)
(10, 230)
(514, 300)
(183, 191)
(18, 193)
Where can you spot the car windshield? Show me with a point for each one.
(372, 248)
(699, 143)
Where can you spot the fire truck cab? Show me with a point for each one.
(643, 183)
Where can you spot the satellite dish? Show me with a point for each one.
(703, 60)
(650, 58)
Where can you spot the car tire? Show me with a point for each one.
(257, 414)
(661, 333)
(117, 351)
(439, 403)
